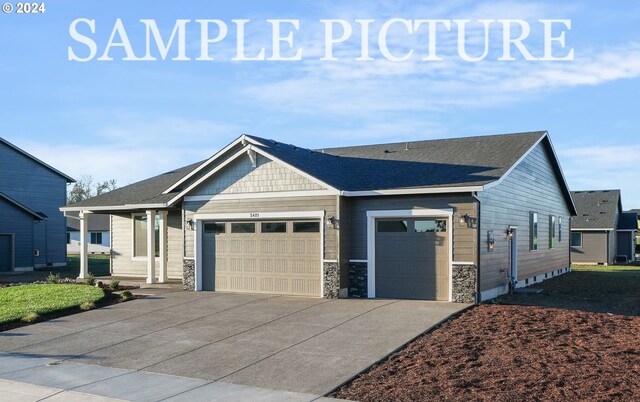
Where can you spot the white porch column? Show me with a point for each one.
(151, 246)
(162, 275)
(84, 255)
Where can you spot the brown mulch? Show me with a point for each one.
(512, 353)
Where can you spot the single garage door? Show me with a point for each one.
(412, 258)
(279, 257)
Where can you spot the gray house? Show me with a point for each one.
(601, 232)
(456, 219)
(32, 228)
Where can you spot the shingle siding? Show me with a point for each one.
(43, 191)
(532, 186)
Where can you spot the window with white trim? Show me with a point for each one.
(95, 238)
(576, 239)
(140, 235)
(552, 231)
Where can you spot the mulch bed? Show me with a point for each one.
(109, 299)
(512, 353)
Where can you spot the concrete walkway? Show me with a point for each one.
(302, 345)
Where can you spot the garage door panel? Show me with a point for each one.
(271, 262)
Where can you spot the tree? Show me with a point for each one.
(87, 188)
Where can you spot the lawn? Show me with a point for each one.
(577, 340)
(18, 301)
(98, 263)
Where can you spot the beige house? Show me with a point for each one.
(456, 219)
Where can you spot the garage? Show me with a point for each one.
(412, 258)
(271, 256)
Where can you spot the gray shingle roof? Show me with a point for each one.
(147, 191)
(97, 223)
(457, 162)
(628, 221)
(596, 209)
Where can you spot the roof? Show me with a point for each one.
(69, 179)
(97, 223)
(458, 164)
(628, 221)
(145, 192)
(470, 161)
(597, 209)
(37, 215)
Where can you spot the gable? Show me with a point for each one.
(240, 177)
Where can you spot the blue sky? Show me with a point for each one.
(130, 120)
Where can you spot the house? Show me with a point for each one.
(455, 219)
(627, 234)
(98, 234)
(595, 232)
(32, 228)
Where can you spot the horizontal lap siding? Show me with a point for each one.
(20, 224)
(531, 187)
(464, 238)
(292, 204)
(122, 247)
(593, 250)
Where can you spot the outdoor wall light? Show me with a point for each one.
(333, 222)
(469, 221)
(191, 224)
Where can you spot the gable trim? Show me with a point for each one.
(238, 154)
(33, 158)
(242, 139)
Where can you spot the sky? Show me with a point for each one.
(129, 120)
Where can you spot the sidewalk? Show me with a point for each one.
(32, 378)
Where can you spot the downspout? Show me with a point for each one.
(478, 235)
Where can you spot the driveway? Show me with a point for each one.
(284, 343)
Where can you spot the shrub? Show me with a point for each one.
(53, 278)
(90, 279)
(114, 285)
(87, 305)
(126, 295)
(31, 317)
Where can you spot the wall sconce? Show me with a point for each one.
(469, 221)
(332, 222)
(191, 224)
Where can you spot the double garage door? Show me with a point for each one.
(279, 257)
(412, 258)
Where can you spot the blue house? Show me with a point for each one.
(32, 228)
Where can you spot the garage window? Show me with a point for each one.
(392, 226)
(273, 227)
(243, 227)
(306, 227)
(216, 228)
(430, 225)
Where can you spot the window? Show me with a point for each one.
(273, 227)
(552, 231)
(216, 228)
(533, 231)
(576, 239)
(559, 229)
(306, 227)
(96, 238)
(140, 235)
(243, 227)
(430, 225)
(392, 226)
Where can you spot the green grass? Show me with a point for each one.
(18, 301)
(631, 269)
(98, 263)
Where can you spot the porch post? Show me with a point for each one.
(84, 255)
(162, 275)
(151, 246)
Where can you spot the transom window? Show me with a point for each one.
(243, 227)
(273, 227)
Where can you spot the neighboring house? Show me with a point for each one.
(32, 228)
(98, 234)
(594, 232)
(627, 232)
(455, 219)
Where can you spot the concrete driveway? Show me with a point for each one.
(283, 343)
